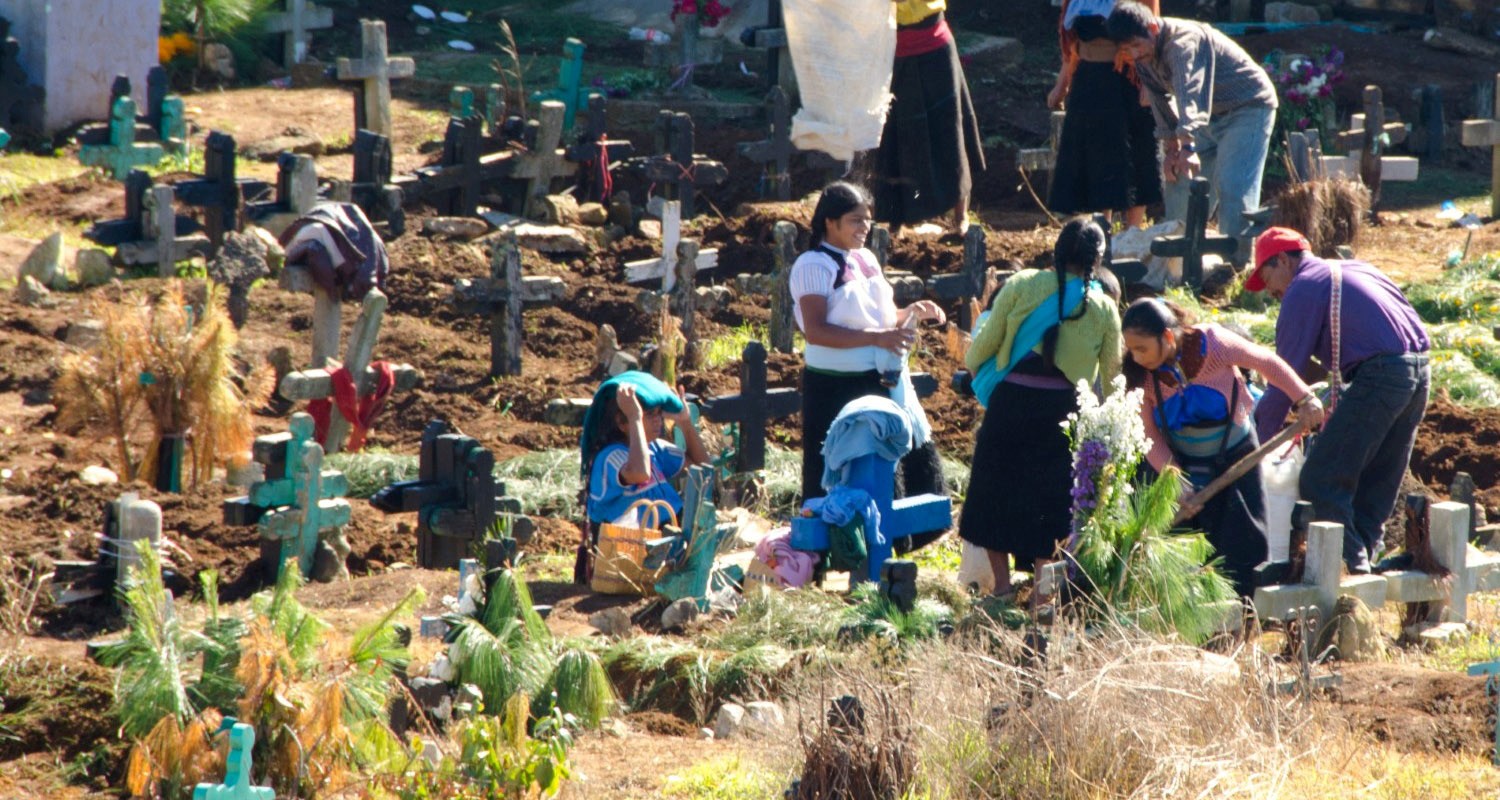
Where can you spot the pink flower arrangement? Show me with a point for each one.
(1306, 87)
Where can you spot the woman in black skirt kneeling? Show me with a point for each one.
(1049, 330)
(856, 341)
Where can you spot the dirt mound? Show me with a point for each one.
(1454, 438)
(1418, 710)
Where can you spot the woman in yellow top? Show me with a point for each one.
(931, 136)
(1048, 330)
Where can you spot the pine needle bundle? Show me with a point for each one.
(174, 758)
(1329, 212)
(577, 686)
(505, 649)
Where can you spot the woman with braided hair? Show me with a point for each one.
(1049, 330)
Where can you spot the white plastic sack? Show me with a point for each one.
(974, 567)
(1281, 471)
(843, 52)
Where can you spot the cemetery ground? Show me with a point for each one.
(1408, 724)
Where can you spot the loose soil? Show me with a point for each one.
(47, 513)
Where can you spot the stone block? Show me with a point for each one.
(93, 268)
(85, 334)
(551, 239)
(612, 622)
(1407, 586)
(30, 292)
(98, 476)
(1432, 636)
(729, 721)
(763, 718)
(465, 228)
(568, 413)
(594, 214)
(1370, 589)
(679, 614)
(1291, 12)
(1277, 602)
(44, 263)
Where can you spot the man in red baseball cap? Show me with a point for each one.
(1358, 327)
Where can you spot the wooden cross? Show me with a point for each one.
(783, 318)
(452, 187)
(296, 193)
(1486, 133)
(123, 153)
(680, 168)
(503, 297)
(150, 228)
(1044, 159)
(586, 150)
(165, 112)
(236, 784)
(1194, 242)
(1491, 672)
(687, 52)
(315, 384)
(296, 21)
(684, 298)
(776, 150)
(665, 268)
(752, 408)
(127, 520)
(1365, 141)
(295, 501)
(456, 496)
(219, 192)
(545, 160)
(968, 284)
(772, 38)
(372, 189)
(376, 70)
(569, 89)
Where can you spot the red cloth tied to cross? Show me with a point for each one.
(359, 411)
(597, 169)
(710, 11)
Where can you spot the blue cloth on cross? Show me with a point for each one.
(866, 425)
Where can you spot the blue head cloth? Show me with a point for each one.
(649, 391)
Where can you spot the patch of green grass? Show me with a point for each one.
(726, 349)
(546, 481)
(370, 469)
(1465, 383)
(942, 556)
(18, 171)
(1470, 292)
(1468, 190)
(730, 777)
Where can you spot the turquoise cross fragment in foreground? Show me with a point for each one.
(1491, 671)
(236, 784)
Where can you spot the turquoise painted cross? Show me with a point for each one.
(461, 102)
(123, 153)
(236, 784)
(4, 138)
(1491, 671)
(569, 82)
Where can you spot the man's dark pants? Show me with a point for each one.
(1353, 472)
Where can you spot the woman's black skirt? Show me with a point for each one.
(1106, 159)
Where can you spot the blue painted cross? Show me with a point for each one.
(1491, 671)
(236, 784)
(297, 500)
(569, 81)
(123, 153)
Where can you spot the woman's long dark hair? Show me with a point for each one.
(1078, 250)
(1150, 316)
(838, 199)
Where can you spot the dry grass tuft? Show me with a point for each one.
(21, 584)
(1329, 212)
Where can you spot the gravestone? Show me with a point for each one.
(1486, 133)
(219, 192)
(968, 284)
(595, 153)
(569, 89)
(315, 384)
(1433, 122)
(296, 193)
(771, 37)
(236, 785)
(122, 153)
(20, 101)
(685, 52)
(503, 297)
(752, 408)
(452, 186)
(162, 122)
(1044, 159)
(127, 520)
(296, 21)
(783, 319)
(372, 188)
(1195, 242)
(665, 268)
(151, 232)
(297, 503)
(74, 48)
(678, 168)
(1305, 149)
(375, 69)
(456, 497)
(775, 152)
(544, 160)
(1366, 141)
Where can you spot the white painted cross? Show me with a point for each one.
(1472, 570)
(1392, 168)
(665, 267)
(1486, 133)
(376, 69)
(299, 17)
(1322, 580)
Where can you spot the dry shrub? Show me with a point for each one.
(172, 759)
(1329, 212)
(165, 365)
(851, 756)
(22, 582)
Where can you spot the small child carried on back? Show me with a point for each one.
(624, 457)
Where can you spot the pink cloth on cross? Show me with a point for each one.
(793, 567)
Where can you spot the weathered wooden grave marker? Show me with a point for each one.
(665, 268)
(783, 325)
(151, 232)
(452, 186)
(375, 69)
(752, 408)
(771, 37)
(236, 785)
(1366, 141)
(682, 170)
(296, 193)
(1044, 159)
(503, 297)
(1305, 148)
(1486, 133)
(545, 161)
(456, 496)
(569, 89)
(778, 149)
(296, 22)
(219, 192)
(297, 501)
(1195, 242)
(594, 153)
(123, 153)
(372, 188)
(968, 284)
(127, 520)
(316, 384)
(687, 51)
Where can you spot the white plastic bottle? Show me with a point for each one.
(650, 35)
